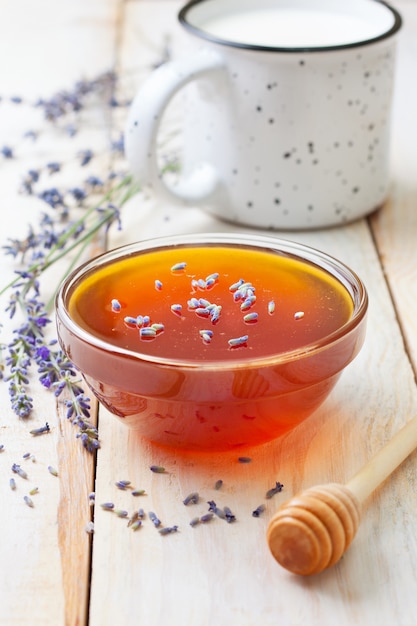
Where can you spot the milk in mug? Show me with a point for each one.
(294, 27)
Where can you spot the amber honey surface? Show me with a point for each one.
(184, 292)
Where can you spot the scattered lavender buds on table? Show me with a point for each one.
(157, 469)
(230, 517)
(28, 501)
(136, 524)
(52, 470)
(271, 492)
(7, 152)
(213, 508)
(259, 509)
(19, 471)
(41, 430)
(168, 530)
(107, 506)
(154, 519)
(123, 484)
(192, 498)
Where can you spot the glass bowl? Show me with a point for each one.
(212, 341)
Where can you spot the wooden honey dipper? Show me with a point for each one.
(311, 531)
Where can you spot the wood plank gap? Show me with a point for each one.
(407, 348)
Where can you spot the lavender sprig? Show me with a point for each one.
(26, 337)
(58, 373)
(55, 371)
(72, 219)
(29, 344)
(49, 246)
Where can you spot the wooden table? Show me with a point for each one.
(52, 572)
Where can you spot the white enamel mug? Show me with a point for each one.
(286, 119)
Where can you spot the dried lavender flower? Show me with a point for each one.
(216, 510)
(154, 519)
(259, 509)
(122, 484)
(28, 501)
(271, 492)
(157, 469)
(219, 512)
(192, 498)
(229, 516)
(18, 470)
(41, 430)
(167, 530)
(107, 506)
(52, 470)
(7, 152)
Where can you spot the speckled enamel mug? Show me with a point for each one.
(286, 115)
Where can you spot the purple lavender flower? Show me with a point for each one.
(85, 156)
(7, 152)
(78, 194)
(53, 197)
(53, 167)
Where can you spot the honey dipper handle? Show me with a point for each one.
(367, 479)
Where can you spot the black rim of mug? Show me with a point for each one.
(182, 17)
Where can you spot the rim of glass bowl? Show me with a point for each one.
(339, 270)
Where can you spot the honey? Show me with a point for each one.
(308, 304)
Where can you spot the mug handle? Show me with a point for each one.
(143, 122)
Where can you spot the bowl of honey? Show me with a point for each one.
(212, 341)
